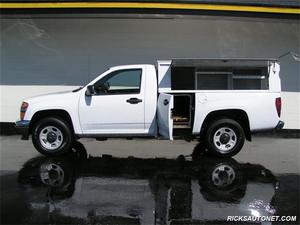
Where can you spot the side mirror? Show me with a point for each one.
(90, 90)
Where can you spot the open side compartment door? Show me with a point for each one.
(164, 115)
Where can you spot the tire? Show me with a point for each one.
(224, 138)
(52, 136)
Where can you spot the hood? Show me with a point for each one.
(49, 97)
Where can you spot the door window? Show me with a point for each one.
(120, 82)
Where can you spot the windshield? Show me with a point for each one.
(79, 88)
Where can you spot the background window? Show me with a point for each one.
(250, 78)
(212, 81)
(249, 83)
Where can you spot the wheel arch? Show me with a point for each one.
(238, 115)
(57, 113)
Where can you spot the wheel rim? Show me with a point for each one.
(225, 139)
(52, 174)
(223, 175)
(51, 138)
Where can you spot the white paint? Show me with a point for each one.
(150, 100)
(12, 96)
(103, 114)
(67, 101)
(165, 122)
(164, 75)
(259, 106)
(112, 114)
(274, 78)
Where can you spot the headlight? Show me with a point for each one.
(23, 109)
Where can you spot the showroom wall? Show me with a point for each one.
(42, 55)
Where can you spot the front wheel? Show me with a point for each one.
(225, 138)
(52, 136)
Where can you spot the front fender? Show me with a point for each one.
(67, 102)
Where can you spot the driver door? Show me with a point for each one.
(117, 106)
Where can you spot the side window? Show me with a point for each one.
(121, 82)
(236, 79)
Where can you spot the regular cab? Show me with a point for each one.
(218, 101)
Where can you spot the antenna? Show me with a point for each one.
(295, 56)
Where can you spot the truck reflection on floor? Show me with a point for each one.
(106, 190)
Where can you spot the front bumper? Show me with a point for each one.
(22, 128)
(280, 125)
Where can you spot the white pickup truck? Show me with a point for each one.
(219, 101)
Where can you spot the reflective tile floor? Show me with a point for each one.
(148, 182)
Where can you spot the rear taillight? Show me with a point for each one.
(23, 109)
(278, 106)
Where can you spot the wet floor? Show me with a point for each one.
(148, 182)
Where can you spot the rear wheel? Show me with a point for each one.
(52, 136)
(225, 138)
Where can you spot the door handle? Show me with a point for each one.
(134, 100)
